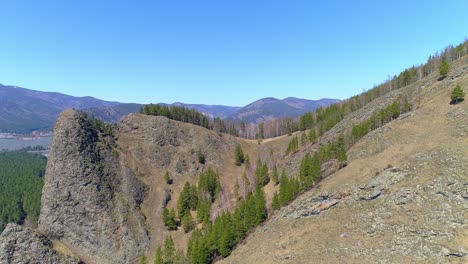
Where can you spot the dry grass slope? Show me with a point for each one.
(402, 198)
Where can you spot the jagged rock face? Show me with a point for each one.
(19, 244)
(90, 201)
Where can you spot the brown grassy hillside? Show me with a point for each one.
(401, 199)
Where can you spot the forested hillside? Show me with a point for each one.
(21, 180)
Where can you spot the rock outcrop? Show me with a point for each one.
(20, 244)
(90, 201)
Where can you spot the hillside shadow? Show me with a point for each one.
(442, 78)
(457, 101)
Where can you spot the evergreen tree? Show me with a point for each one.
(261, 174)
(239, 155)
(293, 146)
(201, 157)
(285, 191)
(275, 203)
(208, 185)
(406, 105)
(341, 152)
(312, 135)
(203, 211)
(168, 217)
(158, 256)
(260, 207)
(275, 177)
(305, 121)
(444, 68)
(188, 200)
(457, 94)
(187, 222)
(168, 252)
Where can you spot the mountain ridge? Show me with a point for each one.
(24, 110)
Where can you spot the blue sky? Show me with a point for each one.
(220, 51)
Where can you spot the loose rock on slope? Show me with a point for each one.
(20, 244)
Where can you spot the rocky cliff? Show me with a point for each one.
(90, 199)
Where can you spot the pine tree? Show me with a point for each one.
(168, 217)
(275, 203)
(312, 135)
(406, 105)
(457, 94)
(158, 258)
(209, 185)
(203, 211)
(201, 157)
(261, 174)
(341, 152)
(168, 251)
(188, 200)
(444, 68)
(240, 158)
(260, 207)
(187, 223)
(275, 177)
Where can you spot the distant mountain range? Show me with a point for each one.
(23, 110)
(271, 108)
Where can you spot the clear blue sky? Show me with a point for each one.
(219, 51)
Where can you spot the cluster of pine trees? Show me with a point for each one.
(380, 118)
(21, 180)
(193, 198)
(220, 237)
(178, 113)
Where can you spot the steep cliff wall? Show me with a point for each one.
(90, 201)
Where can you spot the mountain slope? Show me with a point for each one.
(401, 199)
(23, 110)
(271, 108)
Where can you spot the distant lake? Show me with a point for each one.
(15, 144)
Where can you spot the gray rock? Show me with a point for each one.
(19, 244)
(90, 198)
